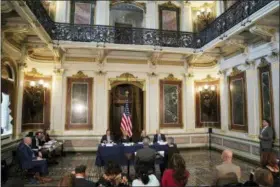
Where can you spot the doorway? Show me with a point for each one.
(119, 95)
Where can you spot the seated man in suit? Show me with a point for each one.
(125, 138)
(37, 142)
(159, 137)
(146, 155)
(226, 167)
(107, 138)
(80, 174)
(46, 136)
(29, 161)
(143, 135)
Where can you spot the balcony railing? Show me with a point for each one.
(142, 36)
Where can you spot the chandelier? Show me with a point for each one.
(205, 15)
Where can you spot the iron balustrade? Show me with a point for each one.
(234, 15)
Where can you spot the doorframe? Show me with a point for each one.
(127, 78)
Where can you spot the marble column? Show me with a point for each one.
(220, 7)
(151, 15)
(275, 93)
(102, 13)
(20, 87)
(224, 102)
(100, 119)
(57, 125)
(153, 105)
(253, 108)
(190, 101)
(62, 13)
(187, 23)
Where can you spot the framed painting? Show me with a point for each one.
(170, 103)
(207, 99)
(266, 98)
(82, 12)
(238, 102)
(79, 103)
(169, 17)
(36, 104)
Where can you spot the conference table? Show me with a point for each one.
(121, 153)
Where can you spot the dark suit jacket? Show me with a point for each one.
(125, 140)
(104, 138)
(267, 138)
(146, 155)
(33, 145)
(156, 138)
(25, 156)
(79, 182)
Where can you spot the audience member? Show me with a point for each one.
(266, 137)
(172, 148)
(125, 138)
(159, 137)
(29, 161)
(251, 181)
(142, 136)
(67, 181)
(269, 162)
(46, 136)
(143, 178)
(80, 174)
(229, 179)
(176, 174)
(37, 141)
(146, 155)
(263, 177)
(113, 176)
(107, 138)
(226, 167)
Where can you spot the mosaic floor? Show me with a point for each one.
(200, 164)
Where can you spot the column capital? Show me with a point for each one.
(21, 65)
(58, 71)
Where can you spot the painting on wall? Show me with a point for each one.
(207, 103)
(79, 102)
(170, 102)
(36, 103)
(238, 101)
(266, 93)
(169, 17)
(82, 12)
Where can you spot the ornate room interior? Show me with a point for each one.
(203, 72)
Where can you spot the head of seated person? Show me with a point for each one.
(112, 170)
(80, 171)
(227, 180)
(27, 140)
(146, 141)
(67, 180)
(263, 177)
(178, 165)
(170, 141)
(142, 174)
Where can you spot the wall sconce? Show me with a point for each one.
(205, 15)
(38, 85)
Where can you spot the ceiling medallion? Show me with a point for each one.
(80, 74)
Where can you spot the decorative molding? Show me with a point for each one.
(101, 56)
(127, 76)
(169, 4)
(235, 71)
(80, 74)
(21, 66)
(263, 31)
(208, 79)
(263, 62)
(171, 77)
(152, 74)
(101, 72)
(34, 73)
(58, 71)
(155, 58)
(140, 5)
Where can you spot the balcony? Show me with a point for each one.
(237, 13)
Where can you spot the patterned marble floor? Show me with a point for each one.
(200, 164)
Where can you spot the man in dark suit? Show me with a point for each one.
(107, 138)
(159, 137)
(266, 137)
(36, 141)
(80, 174)
(28, 160)
(146, 156)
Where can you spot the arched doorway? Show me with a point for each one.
(118, 96)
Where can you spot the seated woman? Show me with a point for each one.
(269, 162)
(125, 138)
(176, 174)
(112, 176)
(144, 179)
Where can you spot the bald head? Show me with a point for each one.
(227, 155)
(27, 140)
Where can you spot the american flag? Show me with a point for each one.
(126, 122)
